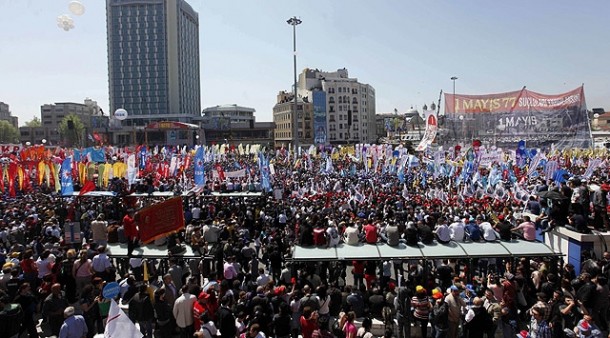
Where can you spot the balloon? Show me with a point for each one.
(65, 22)
(76, 7)
(120, 114)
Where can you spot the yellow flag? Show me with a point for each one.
(145, 267)
(41, 171)
(20, 173)
(107, 170)
(82, 172)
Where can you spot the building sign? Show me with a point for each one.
(171, 125)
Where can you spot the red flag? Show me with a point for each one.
(187, 162)
(1, 180)
(89, 186)
(221, 172)
(27, 185)
(12, 173)
(160, 219)
(165, 170)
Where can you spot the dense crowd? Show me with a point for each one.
(250, 287)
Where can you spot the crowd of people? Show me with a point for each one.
(242, 282)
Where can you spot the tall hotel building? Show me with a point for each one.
(153, 60)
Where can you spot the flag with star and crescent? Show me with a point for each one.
(67, 186)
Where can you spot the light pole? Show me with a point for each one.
(453, 78)
(294, 21)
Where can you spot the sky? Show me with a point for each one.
(407, 50)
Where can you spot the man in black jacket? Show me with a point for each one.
(141, 310)
(586, 292)
(225, 321)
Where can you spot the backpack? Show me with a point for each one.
(336, 330)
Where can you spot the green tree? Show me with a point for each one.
(35, 122)
(71, 131)
(8, 133)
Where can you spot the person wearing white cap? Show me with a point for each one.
(74, 326)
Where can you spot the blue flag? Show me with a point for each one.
(199, 170)
(143, 154)
(264, 172)
(67, 187)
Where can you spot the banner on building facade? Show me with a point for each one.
(160, 219)
(431, 130)
(539, 119)
(319, 117)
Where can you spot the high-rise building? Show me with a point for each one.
(343, 108)
(153, 60)
(5, 114)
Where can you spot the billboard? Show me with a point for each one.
(319, 117)
(539, 119)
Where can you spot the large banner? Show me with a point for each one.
(506, 118)
(319, 117)
(431, 130)
(160, 219)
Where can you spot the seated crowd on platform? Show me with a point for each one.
(241, 282)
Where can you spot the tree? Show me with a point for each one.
(71, 131)
(35, 122)
(8, 133)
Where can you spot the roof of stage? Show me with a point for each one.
(382, 251)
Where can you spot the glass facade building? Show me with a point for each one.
(153, 60)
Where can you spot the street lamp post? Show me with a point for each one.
(294, 21)
(453, 78)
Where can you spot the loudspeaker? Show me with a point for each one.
(70, 124)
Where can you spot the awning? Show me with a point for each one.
(525, 248)
(361, 251)
(382, 251)
(437, 250)
(483, 249)
(315, 253)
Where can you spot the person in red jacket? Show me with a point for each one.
(370, 233)
(131, 231)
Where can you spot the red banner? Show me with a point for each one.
(521, 100)
(505, 119)
(160, 219)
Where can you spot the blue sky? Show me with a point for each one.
(407, 50)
